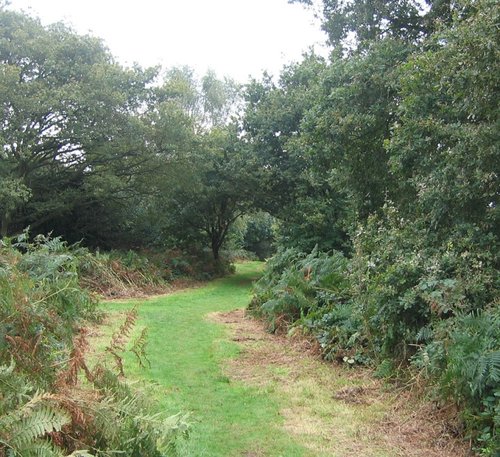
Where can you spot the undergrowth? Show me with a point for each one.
(410, 308)
(51, 402)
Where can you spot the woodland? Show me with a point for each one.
(367, 179)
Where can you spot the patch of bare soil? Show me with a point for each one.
(332, 410)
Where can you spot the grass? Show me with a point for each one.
(187, 353)
(260, 397)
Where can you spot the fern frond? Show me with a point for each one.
(76, 361)
(40, 448)
(139, 348)
(120, 338)
(40, 421)
(495, 366)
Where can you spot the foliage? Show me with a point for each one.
(254, 233)
(463, 358)
(355, 25)
(69, 138)
(26, 416)
(444, 149)
(387, 150)
(401, 129)
(217, 190)
(45, 407)
(41, 306)
(305, 205)
(122, 274)
(296, 285)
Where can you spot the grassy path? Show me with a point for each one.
(251, 394)
(187, 352)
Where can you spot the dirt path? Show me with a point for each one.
(334, 411)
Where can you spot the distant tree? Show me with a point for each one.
(200, 182)
(217, 187)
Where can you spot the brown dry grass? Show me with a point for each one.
(178, 285)
(335, 410)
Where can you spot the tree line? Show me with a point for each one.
(113, 156)
(385, 157)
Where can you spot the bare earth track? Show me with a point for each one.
(335, 411)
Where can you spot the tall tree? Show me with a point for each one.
(356, 24)
(66, 112)
(200, 184)
(445, 147)
(347, 131)
(307, 207)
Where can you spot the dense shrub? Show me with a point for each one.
(196, 264)
(462, 359)
(405, 299)
(296, 286)
(41, 306)
(51, 402)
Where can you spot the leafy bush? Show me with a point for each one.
(407, 298)
(41, 306)
(196, 264)
(463, 360)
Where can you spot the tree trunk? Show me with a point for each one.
(215, 247)
(5, 224)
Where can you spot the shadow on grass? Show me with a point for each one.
(245, 274)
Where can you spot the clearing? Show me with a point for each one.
(251, 394)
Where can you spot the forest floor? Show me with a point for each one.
(252, 394)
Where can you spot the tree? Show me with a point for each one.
(216, 188)
(307, 207)
(199, 184)
(444, 150)
(345, 134)
(67, 111)
(356, 24)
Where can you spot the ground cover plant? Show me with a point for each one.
(52, 402)
(455, 350)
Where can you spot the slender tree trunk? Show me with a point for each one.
(215, 247)
(5, 224)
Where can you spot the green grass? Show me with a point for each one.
(187, 353)
(290, 410)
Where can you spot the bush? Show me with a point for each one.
(198, 265)
(462, 360)
(300, 288)
(407, 298)
(45, 407)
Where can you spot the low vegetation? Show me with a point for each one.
(418, 335)
(53, 402)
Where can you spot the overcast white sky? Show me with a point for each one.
(236, 38)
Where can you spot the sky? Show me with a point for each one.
(235, 38)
